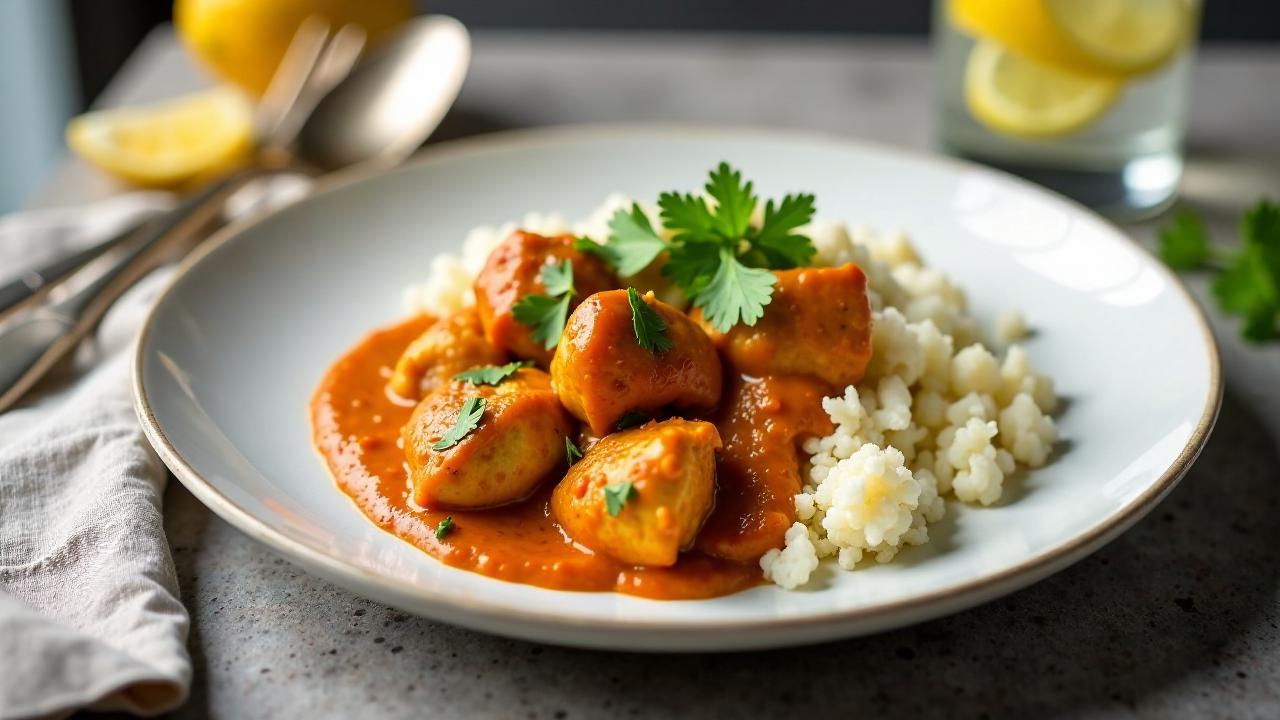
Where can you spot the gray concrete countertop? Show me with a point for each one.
(1177, 618)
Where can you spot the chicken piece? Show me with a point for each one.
(818, 324)
(763, 423)
(519, 440)
(601, 372)
(670, 466)
(513, 271)
(448, 347)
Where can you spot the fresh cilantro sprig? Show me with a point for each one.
(716, 256)
(492, 374)
(445, 527)
(545, 314)
(571, 450)
(468, 419)
(1248, 283)
(631, 419)
(616, 496)
(648, 325)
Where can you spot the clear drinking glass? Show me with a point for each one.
(1121, 155)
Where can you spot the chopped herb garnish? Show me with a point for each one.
(546, 314)
(633, 243)
(444, 528)
(468, 419)
(630, 419)
(571, 451)
(715, 256)
(617, 495)
(492, 374)
(649, 327)
(1249, 281)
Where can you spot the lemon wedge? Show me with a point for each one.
(1018, 96)
(1112, 38)
(168, 144)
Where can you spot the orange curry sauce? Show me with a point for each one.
(356, 426)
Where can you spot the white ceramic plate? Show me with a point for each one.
(229, 358)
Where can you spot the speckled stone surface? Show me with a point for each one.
(1177, 618)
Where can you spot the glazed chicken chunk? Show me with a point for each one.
(518, 440)
(817, 324)
(447, 348)
(513, 271)
(640, 495)
(601, 372)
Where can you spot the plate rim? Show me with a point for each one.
(941, 601)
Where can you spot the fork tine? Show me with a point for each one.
(291, 79)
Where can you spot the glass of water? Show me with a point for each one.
(1087, 97)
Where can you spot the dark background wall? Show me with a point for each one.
(107, 31)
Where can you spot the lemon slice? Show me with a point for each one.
(170, 143)
(1017, 96)
(1091, 37)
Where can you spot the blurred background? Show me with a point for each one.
(56, 56)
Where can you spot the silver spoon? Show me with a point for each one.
(376, 116)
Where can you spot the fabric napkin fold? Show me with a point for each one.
(90, 615)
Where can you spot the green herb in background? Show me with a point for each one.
(1248, 283)
(546, 314)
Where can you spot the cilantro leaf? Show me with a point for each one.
(687, 215)
(571, 451)
(734, 202)
(468, 419)
(630, 419)
(1184, 245)
(736, 294)
(546, 314)
(445, 527)
(782, 248)
(633, 243)
(691, 265)
(648, 325)
(557, 278)
(616, 495)
(492, 374)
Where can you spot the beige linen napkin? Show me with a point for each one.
(89, 608)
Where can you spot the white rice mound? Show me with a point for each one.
(937, 415)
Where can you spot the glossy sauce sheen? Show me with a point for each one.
(356, 426)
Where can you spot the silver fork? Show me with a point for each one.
(32, 344)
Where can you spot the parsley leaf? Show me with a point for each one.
(571, 450)
(734, 202)
(633, 244)
(616, 495)
(558, 278)
(691, 265)
(468, 419)
(781, 247)
(491, 374)
(1184, 245)
(735, 294)
(649, 327)
(546, 314)
(630, 419)
(687, 215)
(445, 527)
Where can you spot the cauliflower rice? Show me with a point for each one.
(937, 415)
